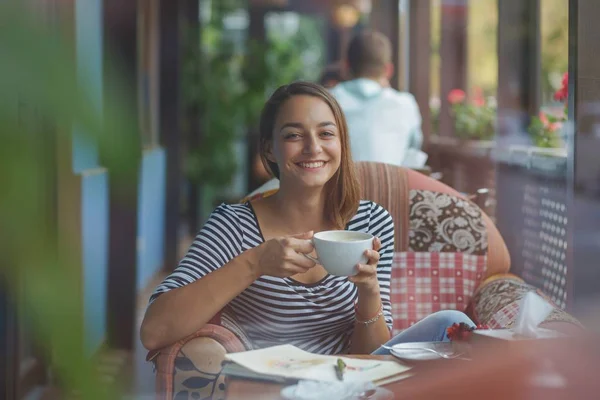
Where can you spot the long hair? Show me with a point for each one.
(342, 190)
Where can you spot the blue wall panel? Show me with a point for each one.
(151, 215)
(95, 224)
(94, 180)
(89, 53)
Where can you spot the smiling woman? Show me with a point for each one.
(301, 126)
(250, 260)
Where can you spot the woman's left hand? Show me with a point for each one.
(366, 278)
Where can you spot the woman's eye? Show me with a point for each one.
(327, 133)
(292, 136)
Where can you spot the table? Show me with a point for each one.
(238, 389)
(539, 370)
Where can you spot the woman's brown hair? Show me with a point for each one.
(343, 192)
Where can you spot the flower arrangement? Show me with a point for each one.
(474, 119)
(462, 332)
(545, 128)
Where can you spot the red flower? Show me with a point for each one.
(478, 98)
(462, 332)
(459, 332)
(551, 126)
(563, 93)
(456, 96)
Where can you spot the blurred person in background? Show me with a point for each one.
(384, 124)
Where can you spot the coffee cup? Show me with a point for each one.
(340, 251)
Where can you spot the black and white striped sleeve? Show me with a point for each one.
(381, 225)
(217, 243)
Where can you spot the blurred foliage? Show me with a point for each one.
(474, 122)
(211, 90)
(545, 130)
(226, 81)
(482, 55)
(554, 45)
(474, 119)
(300, 52)
(434, 115)
(40, 101)
(482, 46)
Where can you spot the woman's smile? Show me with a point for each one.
(311, 166)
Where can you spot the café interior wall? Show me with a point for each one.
(94, 194)
(95, 236)
(151, 215)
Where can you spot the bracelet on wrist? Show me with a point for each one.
(371, 320)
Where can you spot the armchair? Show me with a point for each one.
(449, 255)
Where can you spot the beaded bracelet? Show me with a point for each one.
(370, 320)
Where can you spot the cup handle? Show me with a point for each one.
(313, 259)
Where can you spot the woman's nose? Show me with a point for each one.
(312, 145)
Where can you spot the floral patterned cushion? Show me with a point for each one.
(441, 222)
(197, 371)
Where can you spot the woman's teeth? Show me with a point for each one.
(312, 164)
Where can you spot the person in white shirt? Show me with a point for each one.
(384, 124)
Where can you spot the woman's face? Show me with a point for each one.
(306, 143)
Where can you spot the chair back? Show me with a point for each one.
(445, 245)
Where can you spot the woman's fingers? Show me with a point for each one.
(300, 260)
(365, 272)
(372, 257)
(376, 244)
(299, 245)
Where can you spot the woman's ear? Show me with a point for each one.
(269, 153)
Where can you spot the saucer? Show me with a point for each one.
(413, 351)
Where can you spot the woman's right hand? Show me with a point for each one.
(283, 257)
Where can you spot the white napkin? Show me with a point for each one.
(414, 158)
(533, 311)
(313, 390)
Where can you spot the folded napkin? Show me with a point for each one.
(533, 311)
(414, 159)
(313, 390)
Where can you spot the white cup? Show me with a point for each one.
(339, 251)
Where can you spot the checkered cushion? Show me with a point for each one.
(505, 317)
(424, 282)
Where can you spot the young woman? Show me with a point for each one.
(248, 259)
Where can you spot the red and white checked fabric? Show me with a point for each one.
(505, 317)
(425, 282)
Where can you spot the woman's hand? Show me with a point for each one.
(283, 257)
(366, 278)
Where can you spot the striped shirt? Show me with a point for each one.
(318, 317)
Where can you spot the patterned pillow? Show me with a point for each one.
(441, 222)
(424, 282)
(497, 301)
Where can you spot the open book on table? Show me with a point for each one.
(288, 363)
